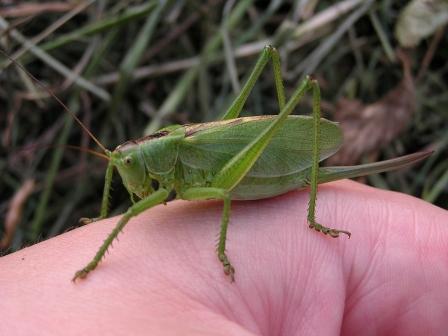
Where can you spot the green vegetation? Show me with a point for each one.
(130, 67)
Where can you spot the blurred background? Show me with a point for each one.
(127, 68)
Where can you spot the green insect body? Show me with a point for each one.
(236, 158)
(191, 155)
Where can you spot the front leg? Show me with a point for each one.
(203, 193)
(106, 196)
(152, 200)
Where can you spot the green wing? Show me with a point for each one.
(209, 146)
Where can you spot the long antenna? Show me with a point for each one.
(87, 150)
(81, 149)
(38, 82)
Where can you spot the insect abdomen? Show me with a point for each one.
(253, 188)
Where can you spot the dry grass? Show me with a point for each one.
(131, 67)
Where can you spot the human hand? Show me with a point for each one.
(163, 277)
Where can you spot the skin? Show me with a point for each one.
(163, 278)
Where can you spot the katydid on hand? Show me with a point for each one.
(236, 158)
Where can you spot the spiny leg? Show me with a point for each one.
(157, 198)
(315, 167)
(237, 167)
(269, 52)
(106, 195)
(216, 193)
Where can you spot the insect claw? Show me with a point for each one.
(347, 233)
(327, 231)
(81, 274)
(231, 275)
(333, 233)
(229, 270)
(85, 220)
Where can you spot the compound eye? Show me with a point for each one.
(127, 160)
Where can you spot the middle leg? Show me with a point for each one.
(203, 193)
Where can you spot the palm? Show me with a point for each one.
(163, 276)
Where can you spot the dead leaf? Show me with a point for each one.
(368, 128)
(420, 19)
